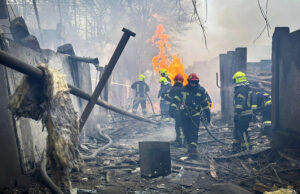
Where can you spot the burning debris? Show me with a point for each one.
(49, 100)
(172, 65)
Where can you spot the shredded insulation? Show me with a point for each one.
(49, 100)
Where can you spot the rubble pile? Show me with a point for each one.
(117, 169)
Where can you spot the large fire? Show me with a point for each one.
(173, 64)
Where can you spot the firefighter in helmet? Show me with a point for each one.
(141, 88)
(242, 112)
(164, 73)
(193, 103)
(174, 109)
(165, 86)
(262, 104)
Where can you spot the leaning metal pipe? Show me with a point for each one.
(94, 61)
(77, 92)
(20, 66)
(105, 76)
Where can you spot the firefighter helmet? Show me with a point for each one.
(178, 78)
(239, 77)
(162, 71)
(193, 77)
(141, 77)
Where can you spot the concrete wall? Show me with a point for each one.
(230, 63)
(286, 87)
(32, 138)
(28, 134)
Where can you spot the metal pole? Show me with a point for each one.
(94, 61)
(20, 66)
(106, 74)
(217, 80)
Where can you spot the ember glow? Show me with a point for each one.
(162, 60)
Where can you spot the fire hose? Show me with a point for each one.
(150, 103)
(94, 154)
(208, 131)
(206, 127)
(45, 176)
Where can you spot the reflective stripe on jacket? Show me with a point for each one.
(242, 100)
(140, 88)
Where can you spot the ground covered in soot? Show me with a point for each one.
(117, 169)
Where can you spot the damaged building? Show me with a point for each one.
(67, 124)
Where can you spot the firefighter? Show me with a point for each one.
(262, 103)
(141, 89)
(193, 103)
(174, 109)
(242, 112)
(165, 86)
(164, 73)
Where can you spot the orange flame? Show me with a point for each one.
(158, 17)
(162, 60)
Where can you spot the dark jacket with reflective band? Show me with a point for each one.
(140, 88)
(261, 100)
(193, 100)
(242, 100)
(163, 92)
(173, 97)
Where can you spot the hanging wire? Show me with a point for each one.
(264, 14)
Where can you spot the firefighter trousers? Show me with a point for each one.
(179, 129)
(164, 108)
(190, 129)
(266, 113)
(241, 140)
(136, 102)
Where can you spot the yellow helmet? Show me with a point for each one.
(163, 71)
(239, 77)
(163, 80)
(141, 77)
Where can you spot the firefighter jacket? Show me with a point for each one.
(174, 92)
(192, 101)
(164, 90)
(140, 88)
(260, 100)
(242, 100)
